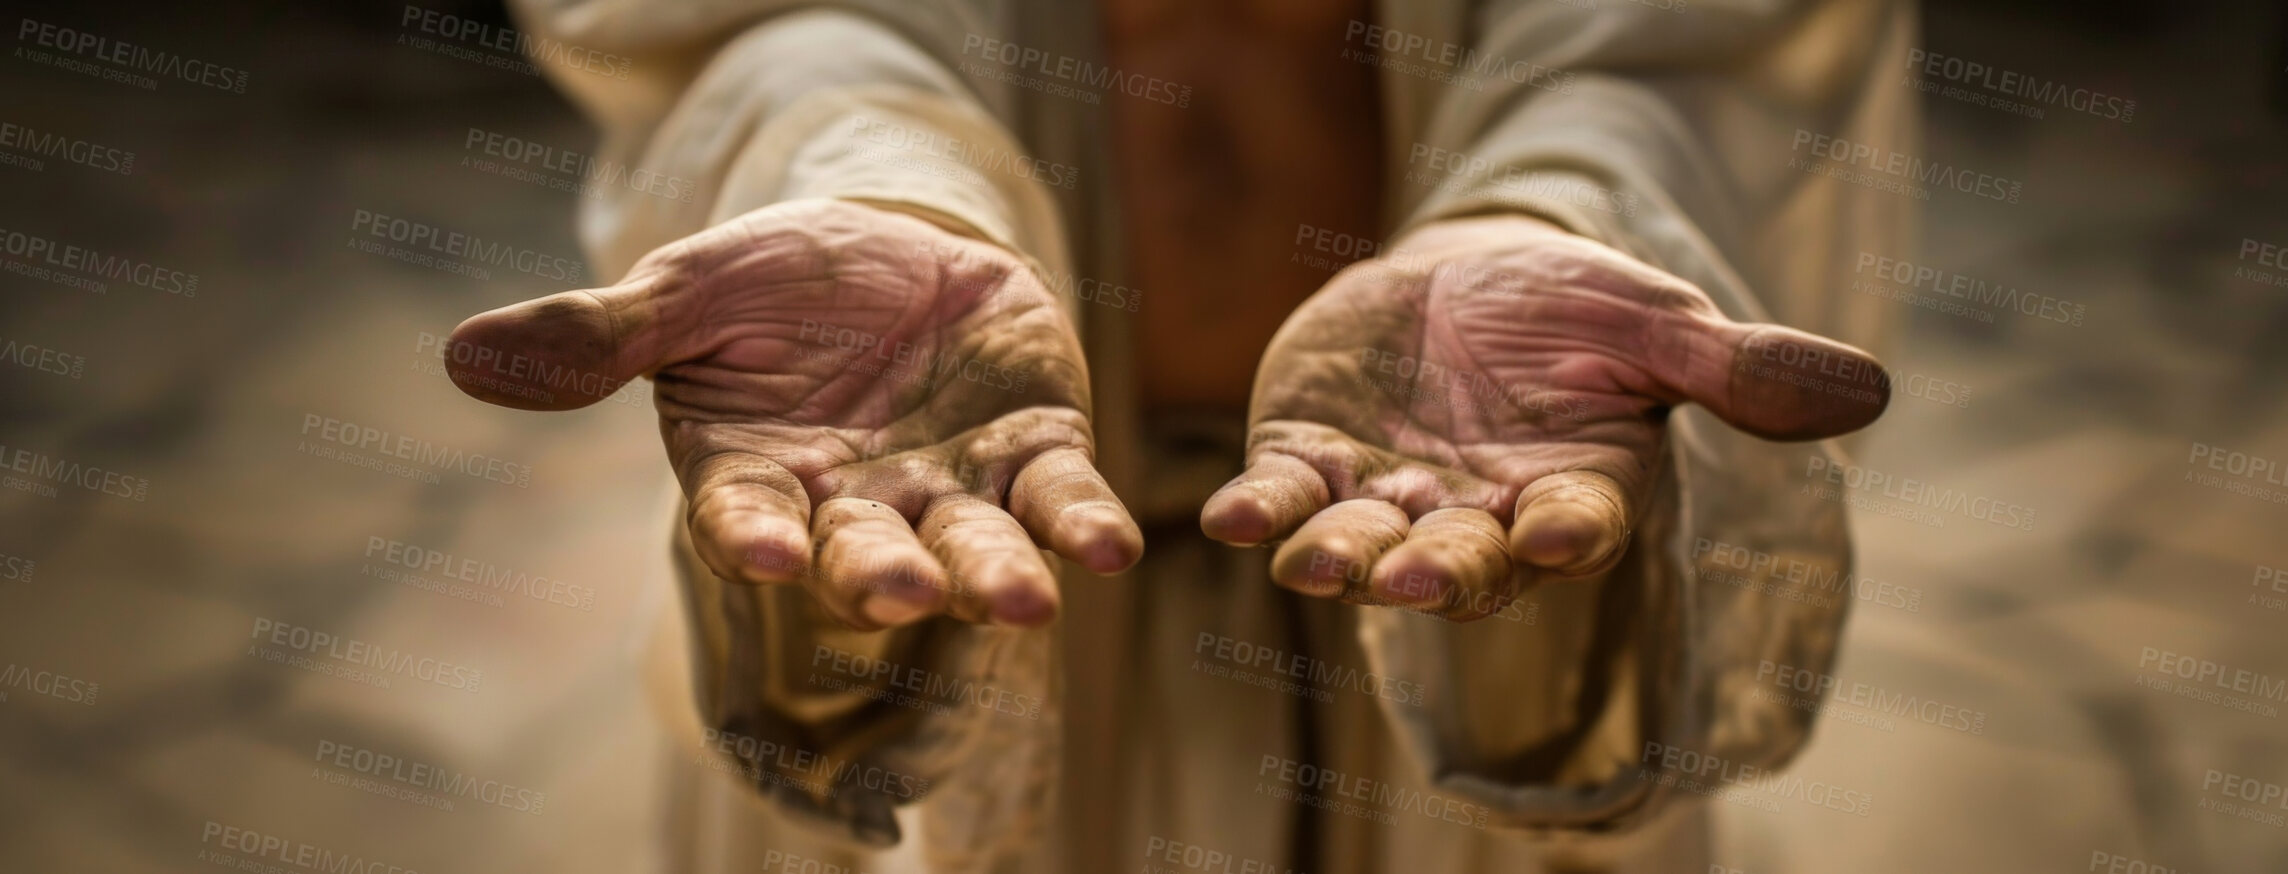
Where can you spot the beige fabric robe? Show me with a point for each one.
(1189, 716)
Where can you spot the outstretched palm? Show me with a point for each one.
(1438, 427)
(852, 398)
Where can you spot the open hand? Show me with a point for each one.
(853, 398)
(1436, 428)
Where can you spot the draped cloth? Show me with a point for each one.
(1189, 715)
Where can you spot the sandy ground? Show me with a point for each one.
(149, 712)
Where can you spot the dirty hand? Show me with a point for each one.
(854, 399)
(1487, 409)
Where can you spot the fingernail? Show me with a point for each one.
(1235, 519)
(1411, 588)
(1319, 573)
(1101, 536)
(887, 609)
(1564, 535)
(1022, 610)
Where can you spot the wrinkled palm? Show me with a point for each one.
(1436, 428)
(852, 398)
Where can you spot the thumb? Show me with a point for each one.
(564, 351)
(1772, 381)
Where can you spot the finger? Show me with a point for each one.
(1454, 562)
(749, 517)
(1062, 499)
(998, 574)
(568, 350)
(1338, 546)
(1571, 524)
(1775, 382)
(1275, 494)
(872, 571)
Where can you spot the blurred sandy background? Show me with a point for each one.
(175, 728)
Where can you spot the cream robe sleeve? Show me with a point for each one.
(717, 107)
(1675, 131)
